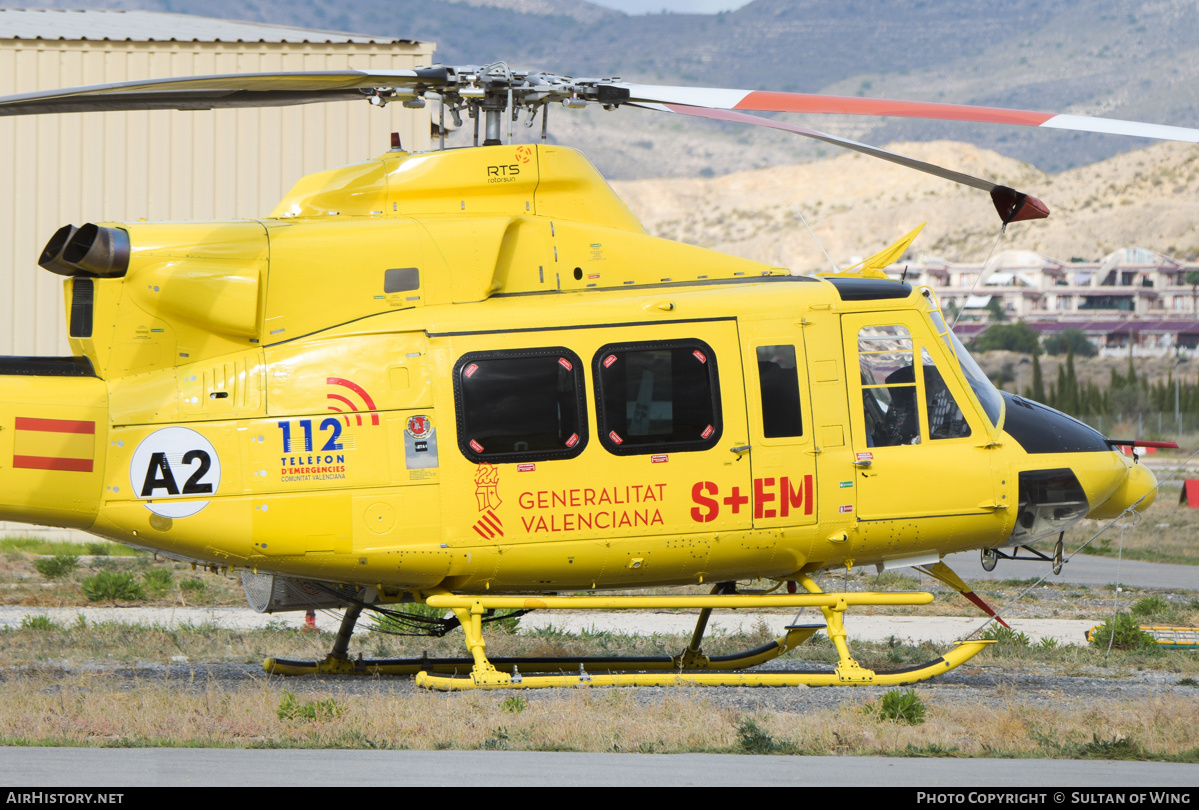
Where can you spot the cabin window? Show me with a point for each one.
(525, 405)
(779, 381)
(657, 397)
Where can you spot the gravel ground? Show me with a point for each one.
(1031, 685)
(1063, 612)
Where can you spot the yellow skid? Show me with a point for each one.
(836, 601)
(962, 652)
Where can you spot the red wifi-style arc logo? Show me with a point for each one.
(337, 400)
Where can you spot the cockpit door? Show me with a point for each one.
(920, 447)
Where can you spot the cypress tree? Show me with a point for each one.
(1038, 380)
(1117, 381)
(1070, 398)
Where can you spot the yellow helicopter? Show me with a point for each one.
(468, 378)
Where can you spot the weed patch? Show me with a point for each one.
(56, 567)
(112, 586)
(290, 708)
(1115, 748)
(1150, 607)
(39, 623)
(157, 581)
(499, 740)
(1123, 633)
(899, 705)
(752, 739)
(194, 587)
(1007, 636)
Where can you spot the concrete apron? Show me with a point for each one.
(941, 630)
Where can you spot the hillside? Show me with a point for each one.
(857, 205)
(1083, 56)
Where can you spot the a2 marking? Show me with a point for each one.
(159, 475)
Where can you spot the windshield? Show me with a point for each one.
(987, 395)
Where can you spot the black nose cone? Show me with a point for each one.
(1041, 429)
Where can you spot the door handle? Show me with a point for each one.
(739, 449)
(862, 463)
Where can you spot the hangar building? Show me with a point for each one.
(163, 165)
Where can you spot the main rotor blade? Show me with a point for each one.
(1012, 205)
(769, 101)
(210, 92)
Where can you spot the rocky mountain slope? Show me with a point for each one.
(856, 205)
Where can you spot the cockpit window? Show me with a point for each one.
(945, 417)
(987, 395)
(885, 355)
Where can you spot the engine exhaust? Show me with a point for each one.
(99, 251)
(51, 258)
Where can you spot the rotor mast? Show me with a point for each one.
(493, 92)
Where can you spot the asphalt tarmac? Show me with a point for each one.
(1038, 781)
(1083, 569)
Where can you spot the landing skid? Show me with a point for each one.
(962, 652)
(691, 666)
(795, 636)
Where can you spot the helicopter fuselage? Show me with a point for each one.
(474, 371)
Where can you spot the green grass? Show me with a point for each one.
(38, 623)
(48, 548)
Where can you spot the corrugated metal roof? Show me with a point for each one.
(148, 26)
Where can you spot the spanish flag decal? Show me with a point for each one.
(54, 444)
